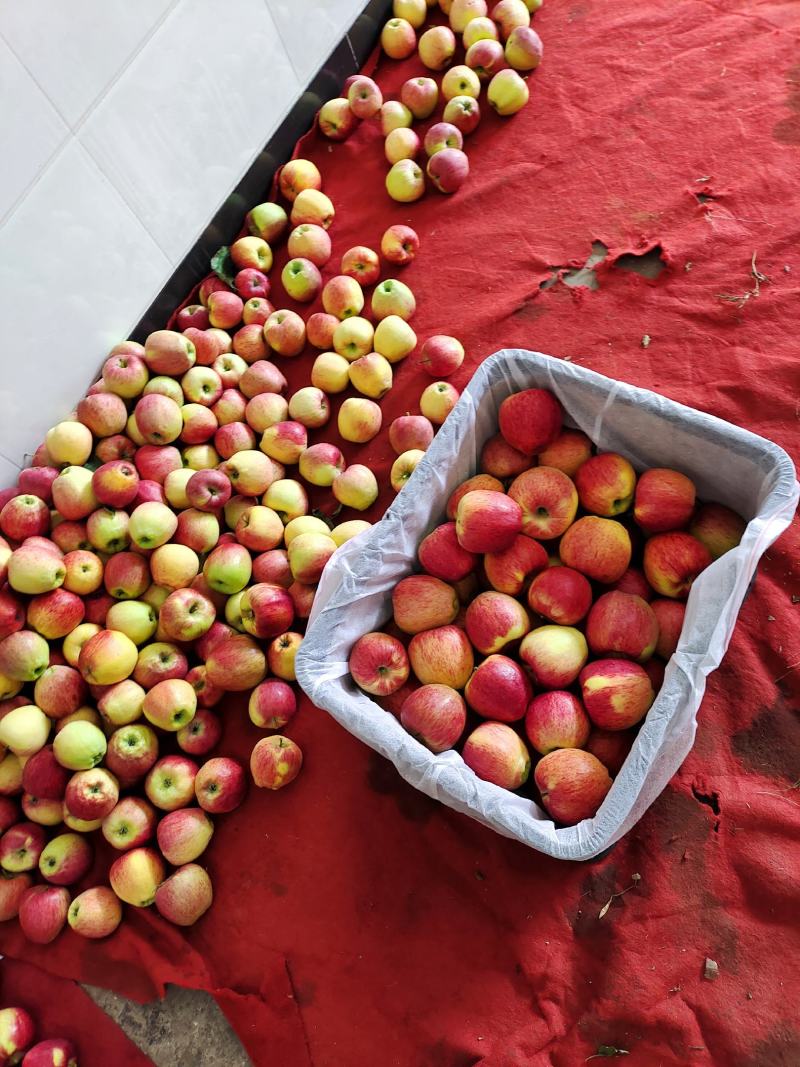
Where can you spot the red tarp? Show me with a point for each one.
(357, 922)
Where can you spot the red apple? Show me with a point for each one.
(275, 762)
(499, 459)
(622, 624)
(556, 720)
(43, 913)
(573, 784)
(499, 689)
(611, 747)
(185, 896)
(400, 244)
(91, 794)
(555, 655)
(487, 521)
(132, 751)
(442, 556)
(664, 500)
(362, 264)
(131, 823)
(633, 581)
(606, 484)
(497, 754)
(12, 890)
(478, 481)
(272, 704)
(201, 735)
(441, 656)
(509, 571)
(669, 618)
(719, 528)
(220, 785)
(410, 432)
(66, 859)
(170, 783)
(561, 595)
(435, 715)
(548, 500)
(672, 561)
(530, 420)
(616, 693)
(448, 169)
(43, 776)
(421, 602)
(378, 664)
(494, 620)
(25, 516)
(599, 548)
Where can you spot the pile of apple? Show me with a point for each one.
(17, 1034)
(546, 606)
(484, 61)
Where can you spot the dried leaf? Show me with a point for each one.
(604, 909)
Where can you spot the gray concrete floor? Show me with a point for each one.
(186, 1029)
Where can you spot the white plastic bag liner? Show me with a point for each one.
(727, 464)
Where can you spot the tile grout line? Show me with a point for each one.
(283, 44)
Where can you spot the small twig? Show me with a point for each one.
(751, 293)
(636, 878)
(789, 670)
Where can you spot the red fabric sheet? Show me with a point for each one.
(356, 921)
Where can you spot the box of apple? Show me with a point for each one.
(545, 624)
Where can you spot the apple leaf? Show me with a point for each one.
(606, 1052)
(223, 266)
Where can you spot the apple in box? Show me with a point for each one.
(561, 595)
(497, 754)
(622, 624)
(616, 693)
(556, 720)
(494, 620)
(509, 571)
(441, 656)
(435, 715)
(572, 783)
(378, 664)
(487, 521)
(499, 689)
(555, 655)
(672, 561)
(598, 548)
(605, 484)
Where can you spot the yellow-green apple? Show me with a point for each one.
(310, 407)
(494, 620)
(265, 409)
(399, 244)
(170, 704)
(509, 570)
(104, 413)
(303, 597)
(220, 785)
(24, 730)
(136, 875)
(719, 528)
(204, 457)
(499, 689)
(287, 498)
(460, 81)
(125, 374)
(186, 614)
(238, 663)
(95, 913)
(12, 890)
(130, 824)
(185, 896)
(163, 385)
(297, 175)
(281, 655)
(152, 524)
(356, 487)
(556, 720)
(423, 602)
(121, 704)
(66, 858)
(622, 624)
(669, 618)
(347, 530)
(231, 406)
(398, 39)
(443, 135)
(672, 561)
(441, 655)
(442, 556)
(420, 96)
(611, 747)
(312, 206)
(266, 610)
(405, 182)
(437, 47)
(634, 581)
(268, 220)
(320, 328)
(509, 14)
(448, 169)
(462, 12)
(21, 846)
(9, 687)
(616, 693)
(555, 655)
(561, 595)
(371, 375)
(24, 655)
(250, 472)
(228, 568)
(275, 762)
(331, 372)
(107, 530)
(401, 143)
(259, 528)
(572, 784)
(343, 297)
(168, 352)
(74, 642)
(308, 554)
(413, 11)
(134, 618)
(478, 481)
(43, 776)
(364, 97)
(435, 715)
(507, 93)
(485, 57)
(599, 548)
(319, 465)
(302, 280)
(500, 460)
(404, 466)
(477, 29)
(530, 420)
(184, 835)
(43, 913)
(107, 657)
(10, 775)
(85, 714)
(605, 484)
(73, 495)
(378, 664)
(495, 753)
(548, 500)
(284, 441)
(664, 500)
(272, 704)
(311, 243)
(69, 443)
(202, 734)
(202, 385)
(524, 49)
(438, 400)
(79, 745)
(169, 784)
(285, 333)
(487, 521)
(83, 572)
(17, 1032)
(394, 339)
(253, 252)
(25, 516)
(231, 368)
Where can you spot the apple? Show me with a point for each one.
(345, 531)
(38, 481)
(68, 442)
(231, 405)
(94, 914)
(478, 481)
(79, 745)
(556, 720)
(104, 413)
(67, 858)
(197, 530)
(308, 554)
(266, 610)
(403, 467)
(127, 575)
(43, 776)
(356, 487)
(115, 484)
(616, 693)
(21, 846)
(250, 284)
(671, 563)
(107, 657)
(91, 794)
(499, 689)
(85, 714)
(494, 620)
(17, 1032)
(130, 824)
(297, 175)
(237, 663)
(398, 39)
(669, 615)
(275, 762)
(719, 528)
(314, 207)
(257, 309)
(605, 484)
(265, 409)
(12, 890)
(495, 753)
(309, 407)
(162, 385)
(441, 655)
(74, 642)
(460, 81)
(664, 500)
(259, 528)
(24, 730)
(24, 655)
(500, 460)
(154, 463)
(399, 244)
(530, 420)
(83, 572)
(202, 734)
(435, 715)
(555, 655)
(655, 670)
(509, 570)
(285, 333)
(410, 432)
(303, 596)
(158, 419)
(371, 375)
(462, 12)
(436, 47)
(561, 595)
(10, 775)
(480, 28)
(302, 280)
(202, 385)
(152, 524)
(266, 221)
(441, 355)
(168, 352)
(422, 602)
(378, 664)
(633, 581)
(572, 783)
(507, 92)
(230, 368)
(509, 14)
(281, 655)
(611, 747)
(170, 704)
(272, 704)
(125, 374)
(220, 785)
(524, 49)
(56, 1052)
(184, 835)
(107, 530)
(207, 694)
(43, 913)
(364, 98)
(287, 498)
(622, 624)
(169, 784)
(12, 613)
(599, 548)
(485, 57)
(185, 896)
(487, 521)
(420, 96)
(308, 244)
(441, 555)
(136, 875)
(121, 704)
(73, 495)
(134, 618)
(319, 465)
(437, 401)
(448, 169)
(228, 568)
(548, 500)
(285, 441)
(331, 372)
(401, 143)
(25, 516)
(33, 570)
(405, 182)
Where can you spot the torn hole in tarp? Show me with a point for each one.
(650, 264)
(575, 277)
